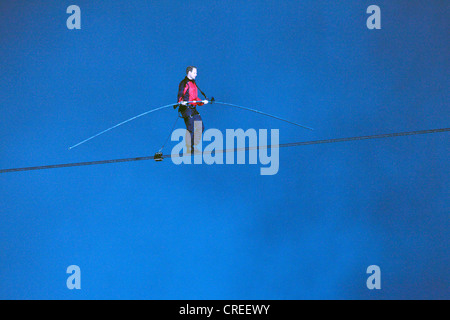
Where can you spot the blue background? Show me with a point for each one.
(146, 230)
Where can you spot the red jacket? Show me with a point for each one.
(187, 91)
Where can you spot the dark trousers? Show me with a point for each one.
(190, 116)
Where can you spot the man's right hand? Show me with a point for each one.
(183, 103)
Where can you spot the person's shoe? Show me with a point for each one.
(189, 150)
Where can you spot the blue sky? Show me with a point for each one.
(146, 230)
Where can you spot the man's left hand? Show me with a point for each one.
(205, 101)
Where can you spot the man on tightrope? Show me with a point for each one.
(188, 91)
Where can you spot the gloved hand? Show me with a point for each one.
(205, 101)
